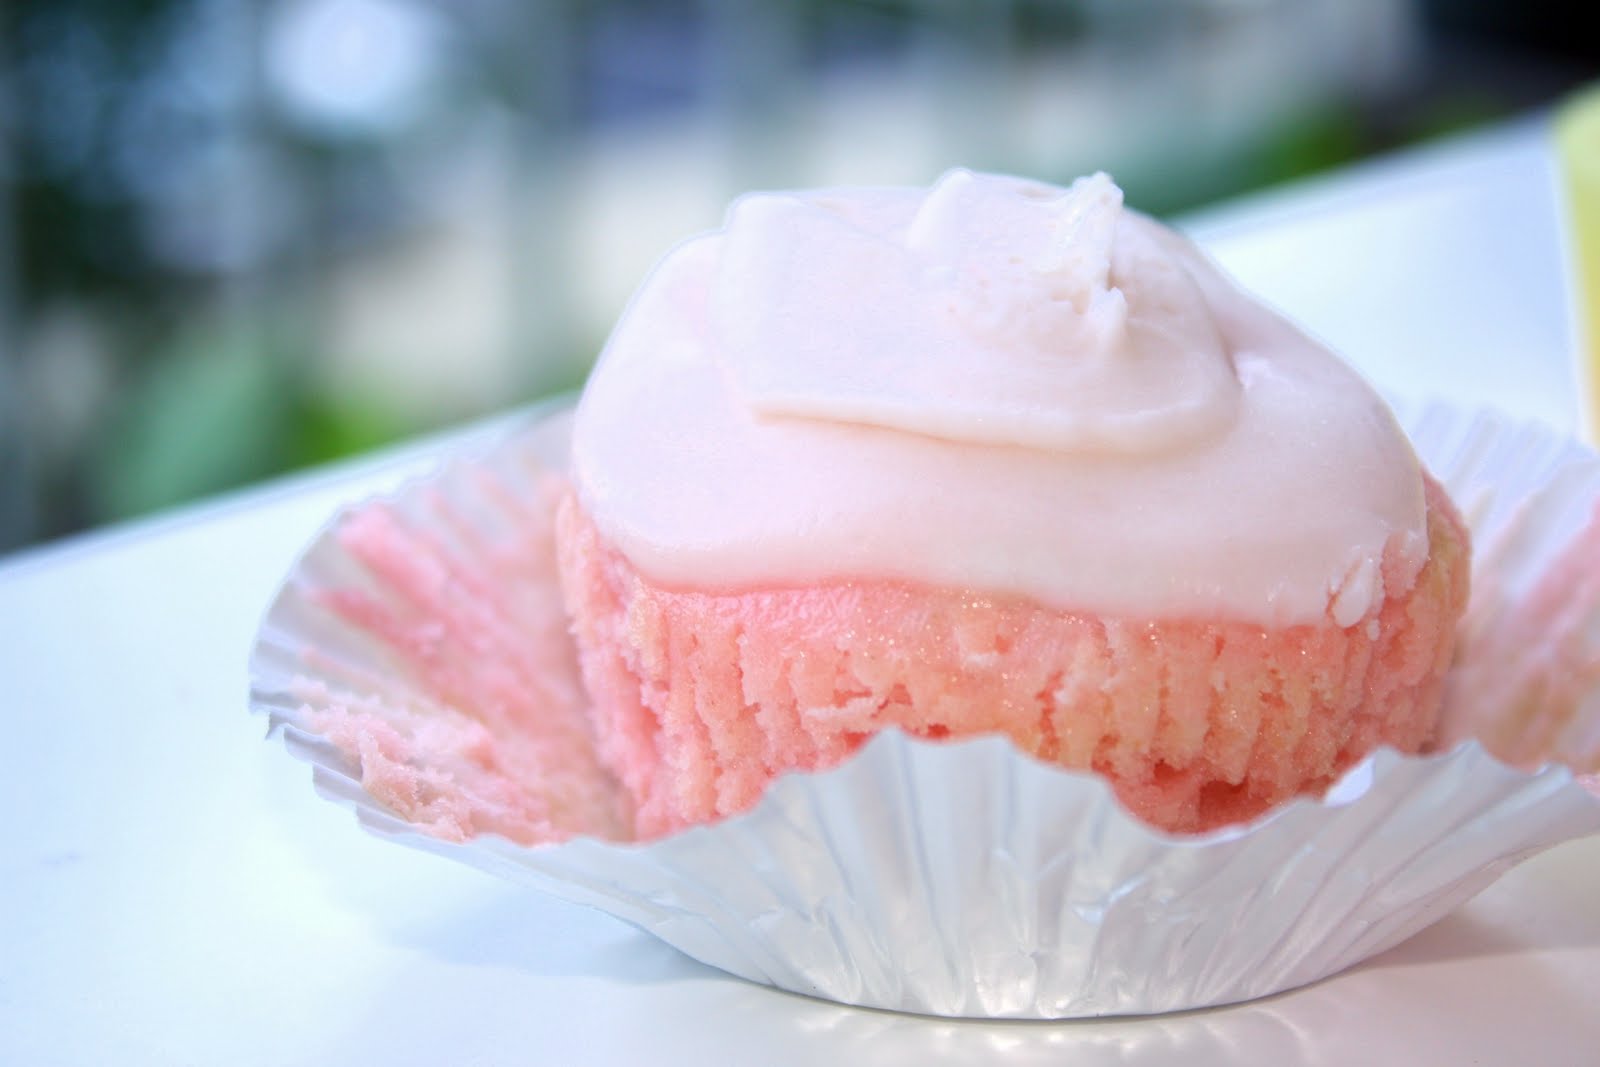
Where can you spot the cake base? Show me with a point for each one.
(702, 699)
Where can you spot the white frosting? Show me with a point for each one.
(995, 385)
(988, 317)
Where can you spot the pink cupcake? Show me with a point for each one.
(1006, 468)
(992, 458)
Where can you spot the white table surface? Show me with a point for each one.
(172, 891)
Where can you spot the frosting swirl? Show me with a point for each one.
(993, 384)
(994, 311)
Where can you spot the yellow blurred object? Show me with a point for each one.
(1577, 129)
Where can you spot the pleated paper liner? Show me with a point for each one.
(417, 657)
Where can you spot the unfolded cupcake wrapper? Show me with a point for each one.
(967, 879)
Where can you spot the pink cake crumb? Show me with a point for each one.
(1527, 683)
(479, 723)
(702, 699)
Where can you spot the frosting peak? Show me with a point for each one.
(1059, 246)
(992, 310)
(995, 385)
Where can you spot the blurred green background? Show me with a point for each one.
(240, 237)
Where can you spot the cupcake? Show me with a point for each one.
(1009, 493)
(992, 458)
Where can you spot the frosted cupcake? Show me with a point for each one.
(992, 458)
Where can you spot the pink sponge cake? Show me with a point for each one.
(992, 457)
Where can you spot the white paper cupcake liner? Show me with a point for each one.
(965, 879)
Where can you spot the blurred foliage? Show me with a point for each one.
(222, 409)
(214, 414)
(1312, 140)
(69, 65)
